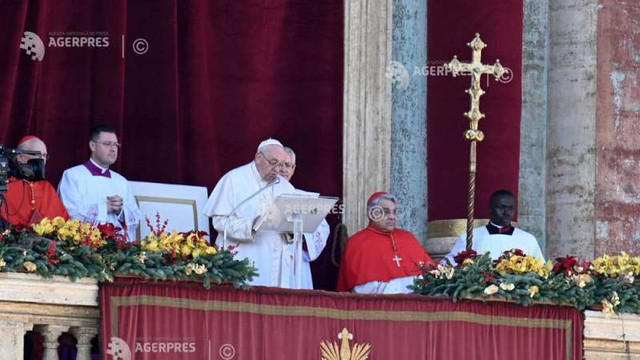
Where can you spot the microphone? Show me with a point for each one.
(273, 182)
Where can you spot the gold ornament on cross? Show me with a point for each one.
(476, 69)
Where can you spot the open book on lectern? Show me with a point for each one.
(309, 207)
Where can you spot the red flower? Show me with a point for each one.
(51, 253)
(108, 230)
(464, 255)
(569, 265)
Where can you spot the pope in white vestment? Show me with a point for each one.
(93, 193)
(279, 263)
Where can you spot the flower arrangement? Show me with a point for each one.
(74, 249)
(607, 283)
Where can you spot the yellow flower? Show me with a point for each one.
(58, 221)
(533, 290)
(2, 263)
(490, 290)
(29, 266)
(43, 228)
(185, 250)
(467, 262)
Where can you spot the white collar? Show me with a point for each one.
(102, 170)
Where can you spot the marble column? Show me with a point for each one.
(51, 333)
(84, 335)
(367, 106)
(533, 123)
(409, 115)
(12, 338)
(571, 128)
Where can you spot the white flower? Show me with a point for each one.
(607, 308)
(199, 269)
(490, 290)
(507, 286)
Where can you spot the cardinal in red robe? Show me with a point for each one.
(381, 258)
(29, 202)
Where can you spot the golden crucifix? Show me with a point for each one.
(476, 69)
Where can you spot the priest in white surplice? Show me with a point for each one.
(276, 260)
(499, 236)
(93, 193)
(314, 242)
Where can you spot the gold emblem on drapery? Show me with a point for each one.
(330, 350)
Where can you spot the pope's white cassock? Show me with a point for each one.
(496, 244)
(84, 190)
(279, 263)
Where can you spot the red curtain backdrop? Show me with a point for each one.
(217, 78)
(451, 25)
(267, 323)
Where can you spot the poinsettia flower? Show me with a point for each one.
(464, 255)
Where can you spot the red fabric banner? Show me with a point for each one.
(165, 320)
(451, 25)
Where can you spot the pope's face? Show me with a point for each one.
(384, 215)
(269, 162)
(104, 149)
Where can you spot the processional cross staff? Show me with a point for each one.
(476, 69)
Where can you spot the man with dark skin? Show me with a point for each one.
(499, 235)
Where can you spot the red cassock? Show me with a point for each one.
(369, 256)
(29, 202)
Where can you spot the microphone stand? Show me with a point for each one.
(273, 182)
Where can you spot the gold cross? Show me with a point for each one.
(476, 69)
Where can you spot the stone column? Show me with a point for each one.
(533, 123)
(367, 106)
(618, 148)
(571, 130)
(12, 339)
(409, 115)
(51, 333)
(84, 335)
